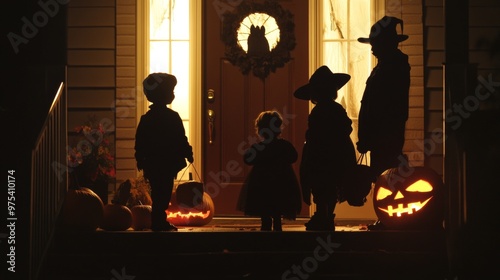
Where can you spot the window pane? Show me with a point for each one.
(359, 25)
(159, 20)
(335, 56)
(180, 68)
(180, 20)
(360, 68)
(335, 19)
(159, 57)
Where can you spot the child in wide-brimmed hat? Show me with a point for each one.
(328, 152)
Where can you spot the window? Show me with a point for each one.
(169, 48)
(340, 24)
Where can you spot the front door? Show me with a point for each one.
(233, 100)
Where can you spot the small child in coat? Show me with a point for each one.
(161, 146)
(271, 190)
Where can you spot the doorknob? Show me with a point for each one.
(210, 95)
(211, 118)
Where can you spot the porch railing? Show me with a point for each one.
(48, 180)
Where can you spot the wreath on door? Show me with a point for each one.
(258, 37)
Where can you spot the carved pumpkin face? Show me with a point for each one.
(409, 198)
(182, 215)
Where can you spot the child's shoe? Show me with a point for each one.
(266, 223)
(166, 226)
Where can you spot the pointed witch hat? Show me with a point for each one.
(385, 30)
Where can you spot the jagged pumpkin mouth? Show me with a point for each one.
(189, 215)
(411, 208)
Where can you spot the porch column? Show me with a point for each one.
(459, 77)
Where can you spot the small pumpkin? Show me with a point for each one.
(141, 217)
(181, 215)
(409, 198)
(116, 217)
(82, 210)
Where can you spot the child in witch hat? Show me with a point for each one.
(384, 106)
(328, 152)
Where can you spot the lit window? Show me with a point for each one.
(169, 51)
(169, 48)
(342, 23)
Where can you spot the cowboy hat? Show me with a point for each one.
(323, 76)
(385, 30)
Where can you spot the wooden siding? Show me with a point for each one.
(126, 89)
(91, 50)
(483, 34)
(434, 59)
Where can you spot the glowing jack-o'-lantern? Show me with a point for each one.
(409, 198)
(182, 215)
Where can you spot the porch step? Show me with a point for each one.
(247, 255)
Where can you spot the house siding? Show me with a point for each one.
(126, 88)
(91, 64)
(484, 55)
(434, 58)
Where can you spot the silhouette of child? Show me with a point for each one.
(161, 146)
(384, 106)
(328, 153)
(271, 189)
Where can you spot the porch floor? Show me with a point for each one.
(237, 224)
(235, 248)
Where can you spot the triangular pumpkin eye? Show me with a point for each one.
(383, 193)
(420, 186)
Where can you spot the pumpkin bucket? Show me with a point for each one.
(190, 193)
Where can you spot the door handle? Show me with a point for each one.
(211, 118)
(210, 96)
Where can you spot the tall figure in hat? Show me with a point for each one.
(328, 152)
(384, 106)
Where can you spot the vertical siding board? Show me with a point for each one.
(126, 88)
(433, 70)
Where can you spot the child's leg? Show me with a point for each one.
(330, 223)
(277, 223)
(322, 218)
(161, 192)
(266, 222)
